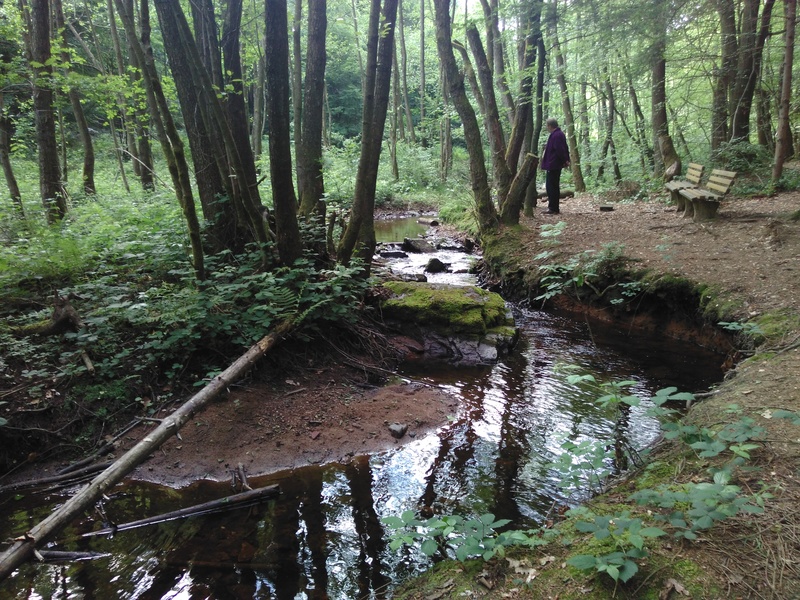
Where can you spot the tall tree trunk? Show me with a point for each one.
(566, 105)
(5, 159)
(487, 215)
(259, 87)
(279, 116)
(247, 204)
(51, 188)
(297, 89)
(445, 133)
(422, 66)
(404, 70)
(784, 138)
(358, 41)
(171, 143)
(236, 110)
(359, 236)
(211, 170)
(494, 129)
(726, 73)
(748, 70)
(532, 194)
(309, 160)
(77, 110)
(668, 163)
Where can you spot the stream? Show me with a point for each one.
(323, 537)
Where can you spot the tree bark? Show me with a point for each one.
(748, 69)
(497, 142)
(77, 111)
(279, 116)
(297, 88)
(5, 159)
(75, 506)
(487, 215)
(784, 138)
(236, 110)
(171, 143)
(566, 105)
(51, 188)
(359, 236)
(668, 163)
(404, 74)
(725, 74)
(309, 159)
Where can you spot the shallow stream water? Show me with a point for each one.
(323, 538)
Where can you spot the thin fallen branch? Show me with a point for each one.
(244, 499)
(23, 547)
(70, 477)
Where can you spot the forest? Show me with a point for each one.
(182, 180)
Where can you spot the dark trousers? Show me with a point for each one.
(552, 184)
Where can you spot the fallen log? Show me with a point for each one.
(241, 500)
(23, 547)
(428, 221)
(67, 556)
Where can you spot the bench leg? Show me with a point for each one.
(688, 206)
(677, 200)
(704, 210)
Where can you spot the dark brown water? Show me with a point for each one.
(323, 538)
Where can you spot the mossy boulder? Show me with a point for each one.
(458, 324)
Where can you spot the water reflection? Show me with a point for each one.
(323, 538)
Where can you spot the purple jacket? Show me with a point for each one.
(556, 152)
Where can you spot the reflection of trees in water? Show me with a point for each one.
(368, 528)
(456, 449)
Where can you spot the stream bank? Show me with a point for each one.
(741, 268)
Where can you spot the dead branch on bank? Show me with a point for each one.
(23, 547)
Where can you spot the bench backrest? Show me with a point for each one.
(720, 181)
(694, 173)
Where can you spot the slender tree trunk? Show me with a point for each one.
(259, 86)
(445, 133)
(51, 188)
(784, 138)
(358, 41)
(359, 236)
(531, 194)
(566, 105)
(472, 79)
(77, 111)
(667, 156)
(297, 90)
(748, 70)
(486, 213)
(171, 143)
(278, 113)
(309, 160)
(725, 75)
(766, 134)
(404, 70)
(5, 159)
(235, 108)
(494, 129)
(422, 64)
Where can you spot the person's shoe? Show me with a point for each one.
(551, 212)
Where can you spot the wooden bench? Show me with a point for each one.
(705, 201)
(692, 180)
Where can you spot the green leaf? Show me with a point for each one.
(393, 522)
(652, 532)
(429, 547)
(629, 569)
(584, 562)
